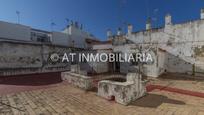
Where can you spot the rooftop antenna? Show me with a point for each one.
(155, 18)
(18, 17)
(52, 24)
(67, 20)
(121, 8)
(71, 22)
(147, 8)
(81, 26)
(124, 25)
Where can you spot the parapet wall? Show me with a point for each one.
(26, 58)
(78, 80)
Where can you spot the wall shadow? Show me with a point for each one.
(154, 100)
(32, 79)
(180, 76)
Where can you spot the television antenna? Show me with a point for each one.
(52, 24)
(155, 18)
(18, 16)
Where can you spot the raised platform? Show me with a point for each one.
(123, 92)
(78, 80)
(122, 89)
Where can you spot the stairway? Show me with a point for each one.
(174, 52)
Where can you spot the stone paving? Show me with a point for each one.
(180, 81)
(68, 100)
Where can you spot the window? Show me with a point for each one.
(40, 37)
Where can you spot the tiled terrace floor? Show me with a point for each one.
(66, 99)
(180, 81)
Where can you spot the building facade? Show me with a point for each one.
(175, 48)
(72, 36)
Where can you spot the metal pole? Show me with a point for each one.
(18, 16)
(156, 17)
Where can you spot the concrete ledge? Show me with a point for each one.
(78, 80)
(123, 92)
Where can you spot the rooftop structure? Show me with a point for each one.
(71, 36)
(175, 47)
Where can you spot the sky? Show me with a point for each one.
(98, 15)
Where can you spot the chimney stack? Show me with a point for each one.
(148, 24)
(130, 28)
(119, 32)
(109, 33)
(168, 19)
(202, 14)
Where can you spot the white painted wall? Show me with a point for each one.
(20, 32)
(184, 37)
(78, 36)
(25, 58)
(14, 31)
(59, 38)
(20, 56)
(102, 46)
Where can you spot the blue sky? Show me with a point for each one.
(98, 15)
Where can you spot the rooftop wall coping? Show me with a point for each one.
(78, 75)
(117, 83)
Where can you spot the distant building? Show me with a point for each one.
(72, 36)
(77, 35)
(175, 48)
